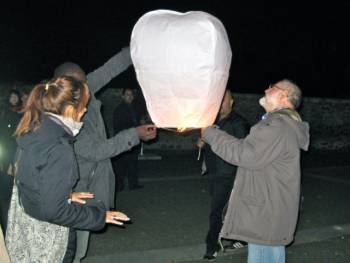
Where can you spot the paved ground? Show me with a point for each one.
(170, 215)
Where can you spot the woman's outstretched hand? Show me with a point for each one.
(116, 217)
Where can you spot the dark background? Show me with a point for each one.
(301, 41)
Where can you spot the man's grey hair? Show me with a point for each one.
(295, 95)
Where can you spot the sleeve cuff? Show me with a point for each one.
(209, 133)
(133, 138)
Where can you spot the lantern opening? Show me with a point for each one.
(180, 129)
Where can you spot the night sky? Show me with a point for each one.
(307, 44)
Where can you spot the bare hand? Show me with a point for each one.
(79, 197)
(200, 143)
(146, 132)
(116, 217)
(203, 131)
(11, 170)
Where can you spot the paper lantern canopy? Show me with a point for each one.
(182, 63)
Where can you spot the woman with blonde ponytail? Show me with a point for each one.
(42, 206)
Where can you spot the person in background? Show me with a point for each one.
(93, 149)
(221, 175)
(46, 172)
(125, 116)
(9, 118)
(264, 204)
(24, 96)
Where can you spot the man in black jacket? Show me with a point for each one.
(221, 174)
(125, 116)
(9, 118)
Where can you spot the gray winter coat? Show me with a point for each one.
(263, 207)
(92, 147)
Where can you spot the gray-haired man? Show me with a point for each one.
(264, 204)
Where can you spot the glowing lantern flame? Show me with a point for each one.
(181, 129)
(182, 63)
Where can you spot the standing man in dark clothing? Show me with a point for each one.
(92, 148)
(10, 116)
(125, 117)
(221, 175)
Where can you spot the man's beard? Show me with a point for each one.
(262, 101)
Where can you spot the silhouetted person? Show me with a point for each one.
(24, 97)
(221, 175)
(125, 116)
(9, 118)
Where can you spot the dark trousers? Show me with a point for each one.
(126, 165)
(220, 189)
(4, 208)
(71, 246)
(6, 185)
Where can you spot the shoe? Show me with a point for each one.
(235, 244)
(210, 256)
(136, 187)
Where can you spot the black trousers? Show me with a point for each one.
(6, 185)
(126, 166)
(220, 189)
(4, 208)
(71, 246)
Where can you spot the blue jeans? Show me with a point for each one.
(266, 254)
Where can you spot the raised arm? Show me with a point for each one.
(95, 151)
(253, 152)
(112, 68)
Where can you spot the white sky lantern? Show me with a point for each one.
(182, 63)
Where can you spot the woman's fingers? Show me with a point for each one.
(120, 216)
(115, 217)
(79, 197)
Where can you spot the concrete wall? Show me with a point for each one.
(329, 120)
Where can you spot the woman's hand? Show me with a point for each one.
(117, 218)
(79, 197)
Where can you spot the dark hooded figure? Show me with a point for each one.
(9, 118)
